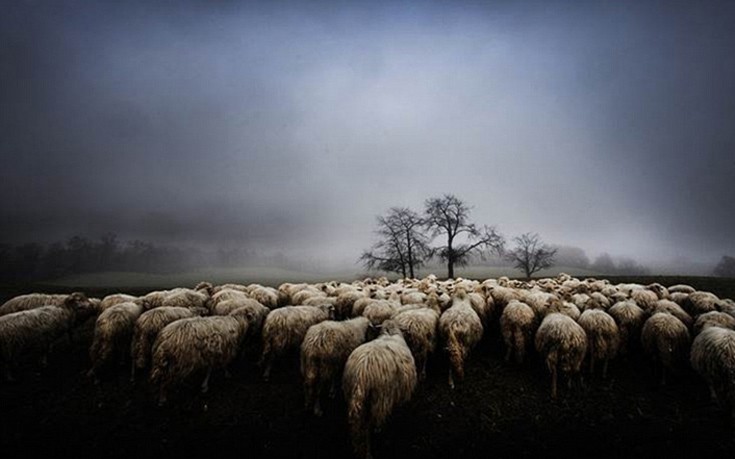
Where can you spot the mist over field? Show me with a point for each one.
(281, 129)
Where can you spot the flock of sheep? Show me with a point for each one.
(373, 337)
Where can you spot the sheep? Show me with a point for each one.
(700, 302)
(679, 298)
(116, 298)
(379, 311)
(378, 376)
(33, 329)
(419, 328)
(562, 307)
(603, 337)
(517, 325)
(645, 299)
(727, 306)
(713, 319)
(227, 294)
(324, 351)
(267, 296)
(484, 308)
(681, 288)
(461, 330)
(563, 344)
(113, 332)
(345, 303)
(301, 296)
(321, 301)
(713, 357)
(188, 346)
(222, 308)
(37, 300)
(238, 287)
(629, 318)
(665, 339)
(285, 328)
(675, 310)
(147, 327)
(186, 298)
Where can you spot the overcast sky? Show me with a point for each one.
(283, 126)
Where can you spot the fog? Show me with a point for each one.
(282, 127)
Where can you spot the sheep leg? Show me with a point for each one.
(132, 372)
(267, 362)
(507, 354)
(333, 388)
(451, 379)
(205, 384)
(604, 369)
(421, 366)
(553, 382)
(592, 365)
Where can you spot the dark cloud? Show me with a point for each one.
(288, 126)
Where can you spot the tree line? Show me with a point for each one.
(81, 255)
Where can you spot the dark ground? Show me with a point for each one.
(500, 410)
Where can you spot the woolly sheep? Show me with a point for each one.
(147, 327)
(378, 376)
(700, 302)
(645, 299)
(603, 337)
(461, 329)
(629, 318)
(517, 325)
(33, 329)
(285, 328)
(36, 300)
(713, 319)
(114, 299)
(419, 328)
(666, 339)
(113, 332)
(196, 344)
(713, 357)
(681, 288)
(563, 344)
(675, 310)
(324, 351)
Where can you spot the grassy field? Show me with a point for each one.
(99, 284)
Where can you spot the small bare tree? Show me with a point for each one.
(530, 254)
(448, 215)
(402, 247)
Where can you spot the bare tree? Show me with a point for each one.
(402, 247)
(448, 215)
(530, 254)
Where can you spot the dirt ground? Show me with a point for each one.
(500, 410)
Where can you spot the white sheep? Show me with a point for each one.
(461, 329)
(603, 337)
(324, 351)
(666, 339)
(517, 325)
(196, 344)
(285, 328)
(378, 376)
(563, 344)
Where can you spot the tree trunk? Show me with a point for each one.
(450, 269)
